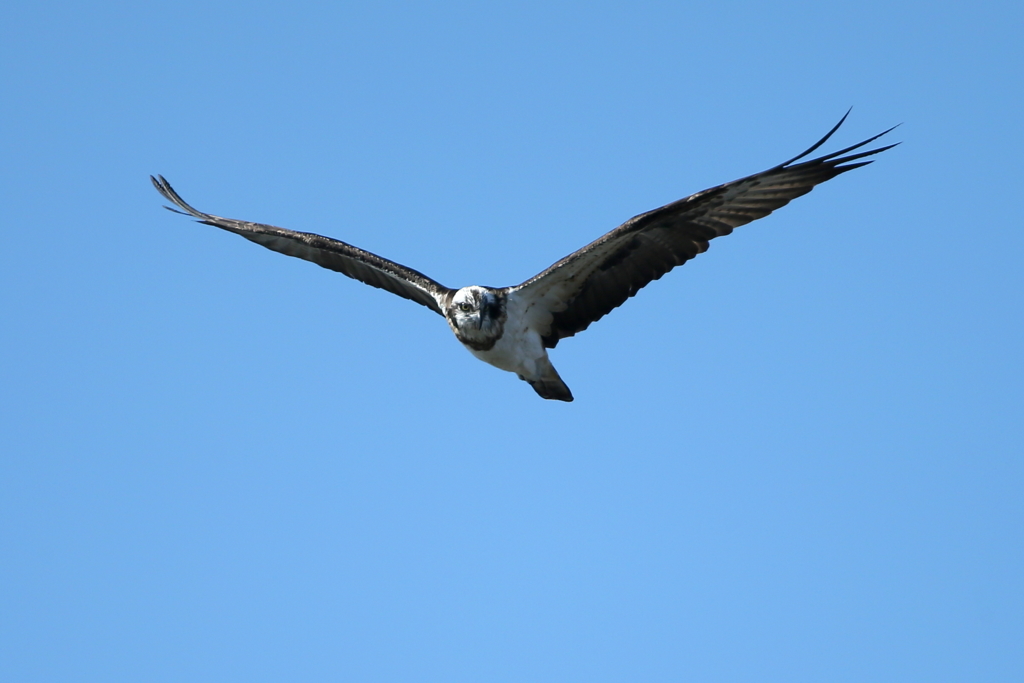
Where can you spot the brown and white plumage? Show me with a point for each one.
(512, 327)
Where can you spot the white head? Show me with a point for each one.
(477, 316)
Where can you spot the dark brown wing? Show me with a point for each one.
(584, 286)
(323, 251)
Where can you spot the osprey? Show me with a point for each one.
(513, 327)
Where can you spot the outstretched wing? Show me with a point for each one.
(584, 286)
(323, 251)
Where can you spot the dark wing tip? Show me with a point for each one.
(819, 142)
(841, 152)
(833, 155)
(842, 163)
(168, 192)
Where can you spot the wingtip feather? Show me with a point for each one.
(820, 142)
(833, 156)
(169, 193)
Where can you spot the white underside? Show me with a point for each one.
(520, 349)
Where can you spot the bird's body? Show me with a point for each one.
(512, 328)
(509, 340)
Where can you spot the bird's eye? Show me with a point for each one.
(465, 307)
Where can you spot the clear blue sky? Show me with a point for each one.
(799, 457)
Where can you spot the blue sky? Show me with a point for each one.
(796, 458)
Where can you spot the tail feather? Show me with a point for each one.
(551, 386)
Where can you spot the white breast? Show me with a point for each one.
(520, 349)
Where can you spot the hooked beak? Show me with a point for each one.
(488, 308)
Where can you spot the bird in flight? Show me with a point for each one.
(513, 327)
